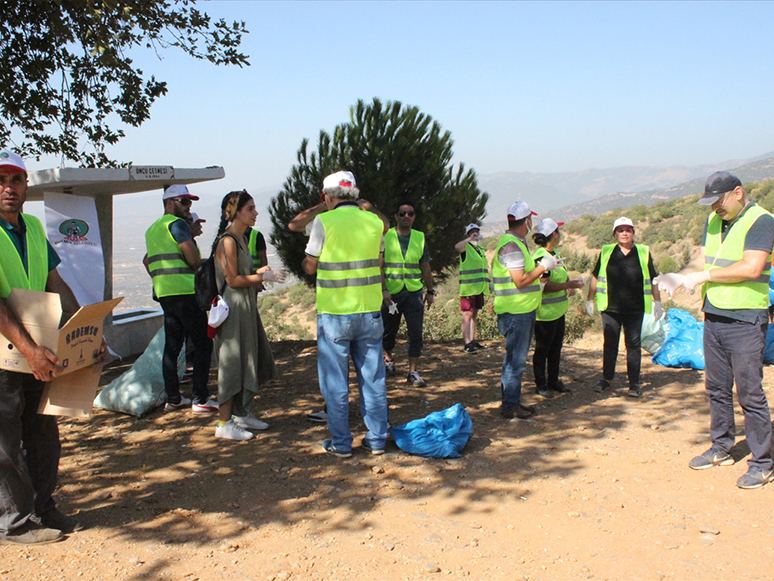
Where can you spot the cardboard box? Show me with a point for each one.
(76, 344)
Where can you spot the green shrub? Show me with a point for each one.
(668, 264)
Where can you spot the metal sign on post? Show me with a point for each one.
(151, 172)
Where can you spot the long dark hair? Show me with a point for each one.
(232, 203)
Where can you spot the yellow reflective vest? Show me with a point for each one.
(643, 252)
(751, 294)
(552, 305)
(169, 271)
(349, 279)
(508, 297)
(251, 246)
(400, 271)
(12, 272)
(474, 272)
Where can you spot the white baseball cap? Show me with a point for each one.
(470, 227)
(195, 218)
(622, 221)
(178, 191)
(547, 226)
(520, 210)
(9, 159)
(343, 179)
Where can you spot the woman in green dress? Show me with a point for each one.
(240, 340)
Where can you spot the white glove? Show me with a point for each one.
(274, 276)
(658, 311)
(694, 279)
(670, 282)
(590, 308)
(392, 309)
(548, 261)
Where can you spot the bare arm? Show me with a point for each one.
(368, 206)
(56, 284)
(298, 224)
(592, 288)
(309, 264)
(226, 255)
(751, 266)
(552, 287)
(190, 254)
(522, 279)
(146, 263)
(460, 246)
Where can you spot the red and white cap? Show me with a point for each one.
(11, 161)
(195, 218)
(340, 179)
(547, 226)
(178, 191)
(520, 210)
(470, 227)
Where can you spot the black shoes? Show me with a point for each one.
(635, 390)
(602, 386)
(545, 392)
(560, 388)
(521, 412)
(470, 348)
(53, 519)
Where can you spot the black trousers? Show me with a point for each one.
(632, 327)
(28, 479)
(183, 318)
(549, 338)
(411, 306)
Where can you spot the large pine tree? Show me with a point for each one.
(396, 153)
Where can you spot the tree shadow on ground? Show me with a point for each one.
(165, 479)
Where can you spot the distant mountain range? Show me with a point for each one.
(569, 195)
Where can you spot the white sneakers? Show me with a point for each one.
(208, 407)
(250, 422)
(231, 431)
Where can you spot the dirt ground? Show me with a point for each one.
(594, 487)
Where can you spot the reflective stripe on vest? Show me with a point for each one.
(400, 271)
(751, 294)
(509, 298)
(251, 246)
(169, 271)
(552, 305)
(12, 272)
(643, 253)
(349, 280)
(474, 272)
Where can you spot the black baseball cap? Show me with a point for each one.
(718, 184)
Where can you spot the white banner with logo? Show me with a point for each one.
(73, 230)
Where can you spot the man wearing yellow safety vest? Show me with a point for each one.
(621, 281)
(29, 441)
(738, 241)
(474, 284)
(343, 251)
(171, 261)
(516, 280)
(406, 270)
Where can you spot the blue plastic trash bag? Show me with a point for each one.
(771, 288)
(684, 345)
(439, 435)
(653, 332)
(768, 352)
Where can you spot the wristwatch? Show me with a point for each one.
(431, 291)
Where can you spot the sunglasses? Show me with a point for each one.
(410, 214)
(183, 201)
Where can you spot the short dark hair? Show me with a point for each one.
(405, 203)
(541, 239)
(512, 223)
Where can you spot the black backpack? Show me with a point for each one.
(205, 287)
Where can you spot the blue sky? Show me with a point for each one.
(543, 87)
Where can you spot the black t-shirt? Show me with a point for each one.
(624, 281)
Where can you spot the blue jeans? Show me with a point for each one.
(517, 330)
(359, 336)
(733, 353)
